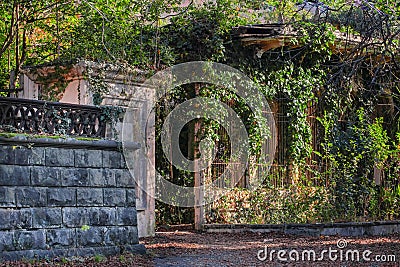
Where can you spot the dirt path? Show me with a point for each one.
(197, 249)
(188, 248)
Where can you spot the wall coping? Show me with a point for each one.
(66, 142)
(317, 229)
(293, 225)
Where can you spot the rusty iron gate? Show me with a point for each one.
(280, 172)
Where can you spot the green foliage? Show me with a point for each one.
(97, 83)
(85, 227)
(99, 258)
(352, 142)
(170, 215)
(111, 115)
(54, 82)
(351, 156)
(345, 81)
(39, 32)
(298, 86)
(295, 204)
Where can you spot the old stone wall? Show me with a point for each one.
(65, 200)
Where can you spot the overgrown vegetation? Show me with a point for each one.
(341, 57)
(352, 172)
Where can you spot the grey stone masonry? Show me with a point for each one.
(65, 201)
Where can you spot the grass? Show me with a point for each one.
(11, 135)
(99, 258)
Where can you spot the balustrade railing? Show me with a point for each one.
(42, 117)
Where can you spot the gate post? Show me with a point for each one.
(198, 175)
(199, 200)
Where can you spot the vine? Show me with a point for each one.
(112, 115)
(339, 76)
(53, 81)
(341, 56)
(96, 78)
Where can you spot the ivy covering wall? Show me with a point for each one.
(342, 168)
(343, 58)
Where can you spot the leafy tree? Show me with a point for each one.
(341, 55)
(39, 32)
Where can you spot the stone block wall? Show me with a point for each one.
(65, 201)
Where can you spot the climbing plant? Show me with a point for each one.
(336, 63)
(340, 56)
